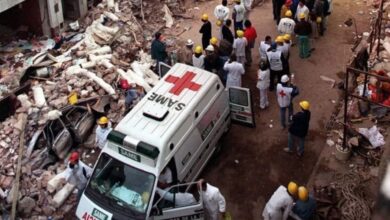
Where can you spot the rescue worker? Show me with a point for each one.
(226, 32)
(276, 63)
(221, 12)
(198, 58)
(238, 15)
(263, 84)
(77, 173)
(102, 131)
(281, 202)
(180, 199)
(214, 43)
(287, 45)
(211, 60)
(285, 93)
(305, 206)
(213, 201)
(234, 72)
(263, 48)
(205, 30)
(186, 53)
(239, 45)
(302, 9)
(299, 128)
(286, 7)
(286, 24)
(158, 50)
(250, 35)
(318, 10)
(276, 9)
(165, 179)
(284, 50)
(303, 30)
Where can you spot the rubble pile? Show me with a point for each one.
(80, 67)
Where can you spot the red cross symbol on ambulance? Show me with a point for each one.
(181, 83)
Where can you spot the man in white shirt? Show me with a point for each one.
(263, 84)
(302, 8)
(77, 173)
(235, 71)
(102, 131)
(165, 179)
(276, 64)
(281, 202)
(286, 24)
(221, 11)
(263, 48)
(238, 15)
(239, 45)
(179, 199)
(213, 200)
(198, 58)
(285, 93)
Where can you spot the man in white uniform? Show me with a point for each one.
(213, 200)
(180, 199)
(302, 9)
(286, 24)
(238, 15)
(281, 202)
(221, 12)
(285, 93)
(239, 45)
(102, 131)
(198, 58)
(276, 64)
(77, 173)
(235, 71)
(264, 46)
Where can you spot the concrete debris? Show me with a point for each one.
(110, 44)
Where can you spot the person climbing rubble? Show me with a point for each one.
(102, 131)
(77, 173)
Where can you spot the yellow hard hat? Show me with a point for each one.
(319, 20)
(219, 23)
(213, 41)
(279, 39)
(305, 105)
(205, 17)
(288, 13)
(240, 33)
(303, 194)
(302, 15)
(292, 188)
(72, 98)
(198, 49)
(287, 37)
(103, 120)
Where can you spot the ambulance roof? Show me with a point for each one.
(159, 115)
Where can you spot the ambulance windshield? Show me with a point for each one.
(121, 186)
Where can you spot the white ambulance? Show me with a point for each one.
(177, 125)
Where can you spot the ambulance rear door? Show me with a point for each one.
(241, 106)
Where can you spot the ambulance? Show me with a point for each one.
(177, 125)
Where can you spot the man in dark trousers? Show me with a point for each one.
(205, 30)
(276, 63)
(226, 32)
(158, 49)
(250, 35)
(303, 30)
(299, 128)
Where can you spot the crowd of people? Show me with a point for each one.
(229, 55)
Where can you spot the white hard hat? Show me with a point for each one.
(210, 48)
(190, 42)
(285, 79)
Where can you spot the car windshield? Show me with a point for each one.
(125, 186)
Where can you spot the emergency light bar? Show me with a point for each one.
(128, 142)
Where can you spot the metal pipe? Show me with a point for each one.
(345, 109)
